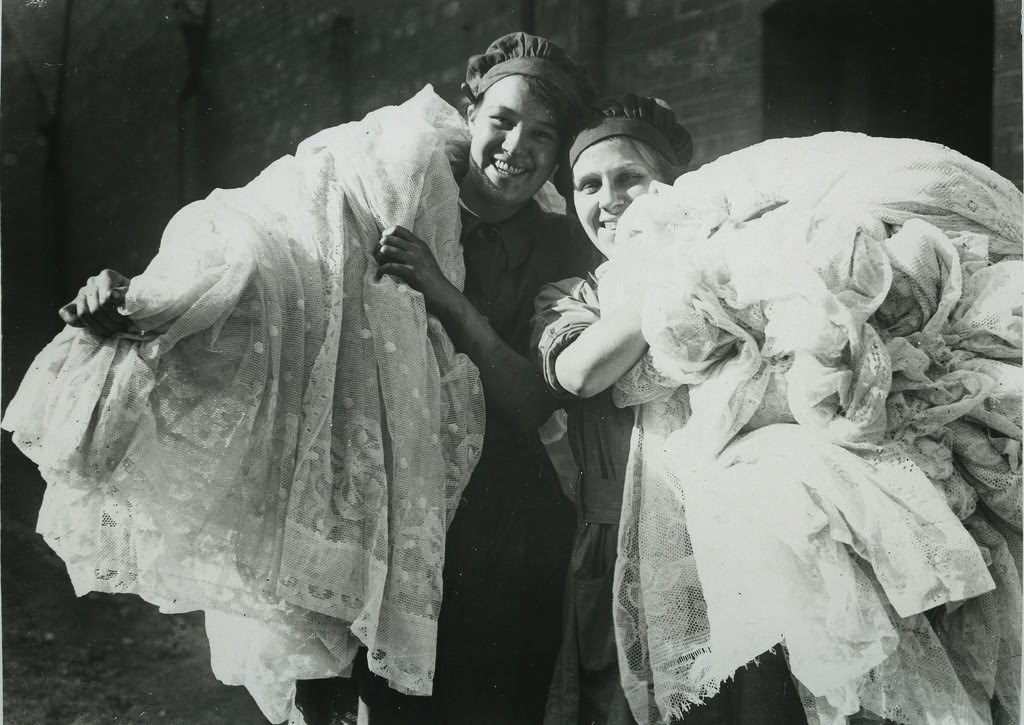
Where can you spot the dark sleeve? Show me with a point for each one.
(562, 311)
(581, 257)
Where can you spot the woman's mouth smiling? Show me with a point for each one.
(508, 169)
(604, 231)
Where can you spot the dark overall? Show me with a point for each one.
(507, 550)
(586, 688)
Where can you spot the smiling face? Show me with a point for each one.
(514, 149)
(606, 178)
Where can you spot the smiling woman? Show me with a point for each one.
(633, 144)
(507, 549)
(260, 311)
(771, 421)
(514, 148)
(301, 361)
(606, 179)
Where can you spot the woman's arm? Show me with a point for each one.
(602, 354)
(511, 382)
(512, 385)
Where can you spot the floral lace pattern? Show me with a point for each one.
(845, 478)
(283, 440)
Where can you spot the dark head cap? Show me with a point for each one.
(534, 57)
(645, 119)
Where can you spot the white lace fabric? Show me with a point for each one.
(283, 440)
(841, 470)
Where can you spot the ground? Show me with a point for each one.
(99, 659)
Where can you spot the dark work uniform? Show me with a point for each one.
(586, 688)
(508, 546)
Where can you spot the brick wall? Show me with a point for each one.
(119, 135)
(402, 46)
(270, 79)
(275, 71)
(28, 259)
(113, 181)
(276, 76)
(1007, 145)
(704, 58)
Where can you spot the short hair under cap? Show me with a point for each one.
(645, 119)
(528, 55)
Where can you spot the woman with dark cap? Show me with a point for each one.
(632, 143)
(506, 550)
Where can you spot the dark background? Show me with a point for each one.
(114, 113)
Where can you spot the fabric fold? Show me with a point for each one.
(283, 438)
(842, 315)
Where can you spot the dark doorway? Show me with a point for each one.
(897, 68)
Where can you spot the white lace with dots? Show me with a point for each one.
(252, 455)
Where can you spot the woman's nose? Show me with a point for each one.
(513, 140)
(610, 198)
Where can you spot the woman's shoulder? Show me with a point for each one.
(559, 242)
(568, 293)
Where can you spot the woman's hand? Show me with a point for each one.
(513, 385)
(404, 255)
(96, 306)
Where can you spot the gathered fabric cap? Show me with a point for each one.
(645, 119)
(528, 55)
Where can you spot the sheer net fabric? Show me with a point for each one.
(284, 440)
(841, 470)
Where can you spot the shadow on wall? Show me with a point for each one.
(113, 116)
(881, 67)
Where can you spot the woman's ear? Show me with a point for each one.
(472, 98)
(561, 177)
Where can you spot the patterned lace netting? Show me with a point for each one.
(841, 472)
(285, 440)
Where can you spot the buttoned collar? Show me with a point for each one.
(515, 235)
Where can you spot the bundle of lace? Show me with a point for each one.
(283, 438)
(828, 446)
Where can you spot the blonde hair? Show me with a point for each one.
(664, 169)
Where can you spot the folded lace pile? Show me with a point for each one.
(829, 442)
(283, 438)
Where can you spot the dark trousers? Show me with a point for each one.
(759, 694)
(499, 628)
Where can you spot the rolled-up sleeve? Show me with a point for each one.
(562, 311)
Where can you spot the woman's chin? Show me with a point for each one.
(605, 241)
(490, 187)
(512, 189)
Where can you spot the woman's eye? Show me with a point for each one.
(587, 187)
(501, 122)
